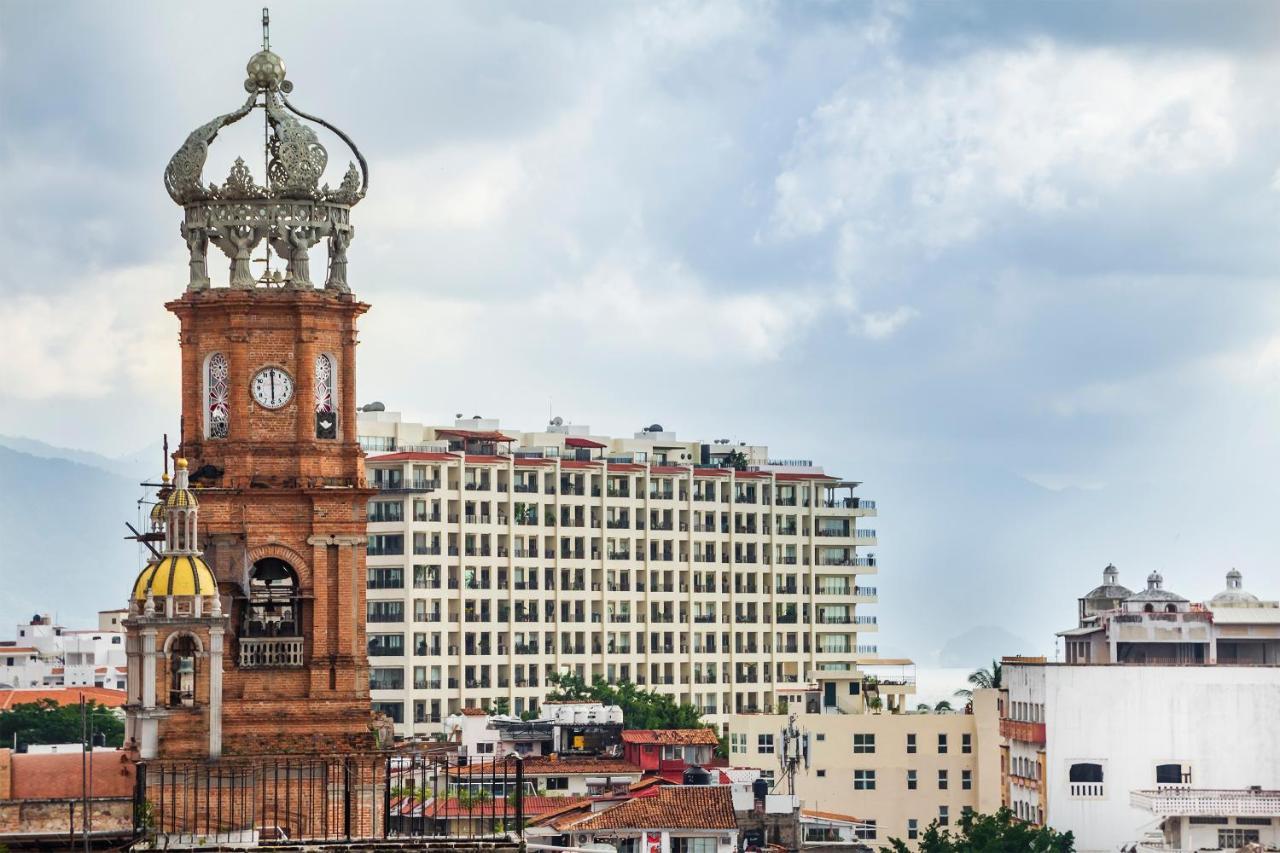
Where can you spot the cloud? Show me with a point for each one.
(920, 158)
(104, 337)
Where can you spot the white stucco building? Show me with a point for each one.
(45, 654)
(1084, 742)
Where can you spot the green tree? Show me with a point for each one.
(988, 833)
(502, 705)
(641, 709)
(735, 459)
(45, 721)
(942, 706)
(983, 678)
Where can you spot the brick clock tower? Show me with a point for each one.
(269, 446)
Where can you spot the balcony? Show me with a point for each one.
(1207, 802)
(1023, 731)
(271, 652)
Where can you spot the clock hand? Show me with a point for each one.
(272, 374)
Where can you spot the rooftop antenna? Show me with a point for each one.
(166, 454)
(266, 149)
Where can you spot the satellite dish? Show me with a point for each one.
(557, 421)
(655, 428)
(374, 407)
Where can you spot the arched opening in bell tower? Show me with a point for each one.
(274, 604)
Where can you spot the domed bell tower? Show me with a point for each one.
(269, 423)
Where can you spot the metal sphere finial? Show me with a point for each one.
(265, 71)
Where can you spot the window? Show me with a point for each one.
(1085, 779)
(864, 780)
(386, 510)
(386, 544)
(672, 753)
(485, 747)
(865, 830)
(384, 611)
(737, 742)
(942, 744)
(693, 845)
(217, 396)
(820, 736)
(384, 645)
(384, 578)
(275, 603)
(1231, 839)
(944, 816)
(326, 418)
(913, 829)
(822, 774)
(386, 678)
(966, 743)
(1172, 774)
(966, 780)
(764, 744)
(942, 780)
(394, 710)
(911, 744)
(864, 743)
(911, 780)
(557, 783)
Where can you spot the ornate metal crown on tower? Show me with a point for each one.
(292, 211)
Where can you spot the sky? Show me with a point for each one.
(1012, 266)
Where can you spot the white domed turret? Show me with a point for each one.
(1234, 595)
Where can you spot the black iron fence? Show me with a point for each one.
(254, 799)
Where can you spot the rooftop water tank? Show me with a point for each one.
(695, 775)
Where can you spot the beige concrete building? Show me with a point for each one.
(897, 773)
(704, 570)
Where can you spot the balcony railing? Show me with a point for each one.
(265, 652)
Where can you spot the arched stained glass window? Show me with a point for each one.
(326, 416)
(217, 384)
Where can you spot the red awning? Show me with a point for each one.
(577, 441)
(474, 435)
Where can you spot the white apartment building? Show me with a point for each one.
(703, 570)
(48, 655)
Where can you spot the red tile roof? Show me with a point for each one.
(625, 467)
(486, 459)
(578, 441)
(785, 477)
(413, 456)
(495, 808)
(710, 472)
(671, 737)
(541, 765)
(668, 469)
(475, 712)
(4, 650)
(672, 807)
(533, 460)
(814, 813)
(751, 475)
(474, 435)
(62, 695)
(50, 776)
(578, 463)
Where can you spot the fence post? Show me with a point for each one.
(346, 797)
(386, 801)
(139, 799)
(520, 797)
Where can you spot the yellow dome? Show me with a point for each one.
(181, 575)
(181, 498)
(157, 512)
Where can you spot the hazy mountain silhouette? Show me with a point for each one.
(62, 525)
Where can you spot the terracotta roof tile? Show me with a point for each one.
(413, 456)
(544, 766)
(475, 434)
(673, 807)
(814, 813)
(63, 696)
(671, 737)
(579, 441)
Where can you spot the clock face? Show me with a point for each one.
(272, 387)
